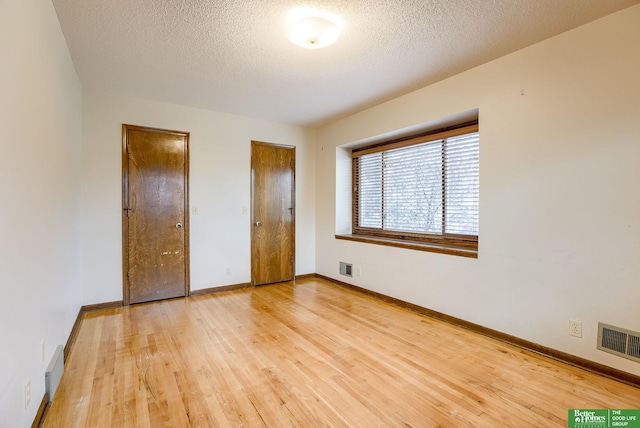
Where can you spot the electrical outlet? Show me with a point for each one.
(43, 350)
(227, 271)
(575, 328)
(27, 394)
(358, 271)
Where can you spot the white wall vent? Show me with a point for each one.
(619, 341)
(54, 373)
(346, 269)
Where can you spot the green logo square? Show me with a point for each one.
(602, 418)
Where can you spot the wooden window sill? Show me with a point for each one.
(413, 245)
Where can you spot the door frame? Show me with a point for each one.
(293, 204)
(125, 207)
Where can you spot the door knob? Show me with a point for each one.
(179, 226)
(258, 223)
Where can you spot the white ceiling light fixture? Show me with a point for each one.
(313, 32)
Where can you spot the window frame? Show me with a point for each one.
(445, 242)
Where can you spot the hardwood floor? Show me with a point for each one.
(309, 355)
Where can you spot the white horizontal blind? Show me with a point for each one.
(462, 184)
(370, 194)
(429, 188)
(413, 188)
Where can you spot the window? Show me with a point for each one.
(422, 189)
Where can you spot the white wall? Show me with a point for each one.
(220, 161)
(559, 198)
(40, 190)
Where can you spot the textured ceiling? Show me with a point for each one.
(234, 56)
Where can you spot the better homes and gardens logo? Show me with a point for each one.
(579, 418)
(589, 418)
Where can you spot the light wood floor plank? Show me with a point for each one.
(308, 355)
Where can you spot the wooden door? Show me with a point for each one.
(272, 213)
(155, 215)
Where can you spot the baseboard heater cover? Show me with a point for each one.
(54, 373)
